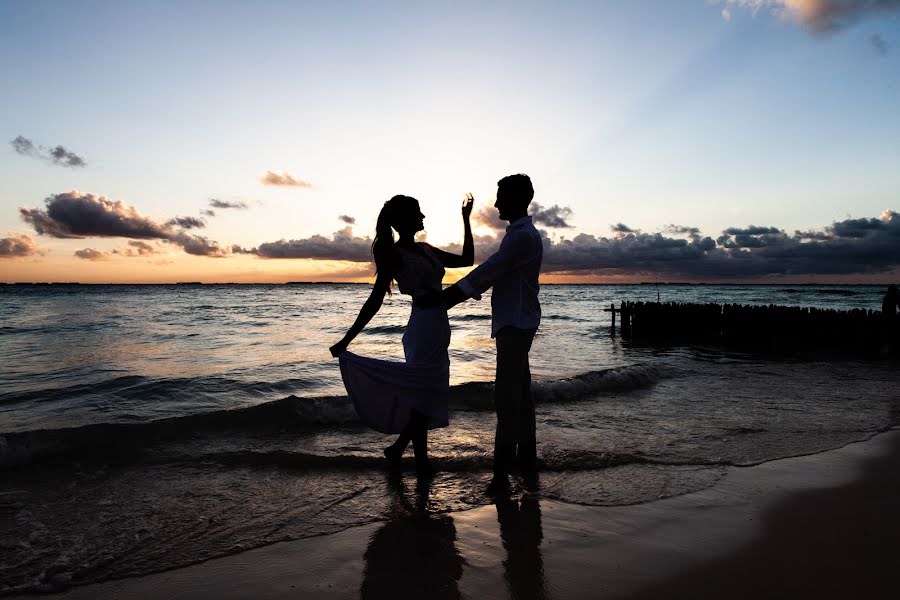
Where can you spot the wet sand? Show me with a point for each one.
(820, 526)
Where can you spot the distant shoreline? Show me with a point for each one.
(637, 284)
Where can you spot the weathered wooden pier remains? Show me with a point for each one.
(776, 327)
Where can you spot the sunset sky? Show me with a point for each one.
(703, 140)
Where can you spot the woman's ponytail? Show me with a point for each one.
(383, 244)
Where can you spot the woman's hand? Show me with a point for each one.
(468, 202)
(338, 348)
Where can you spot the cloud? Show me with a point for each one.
(137, 248)
(347, 219)
(283, 179)
(216, 203)
(630, 252)
(751, 230)
(683, 230)
(208, 212)
(860, 228)
(342, 245)
(852, 246)
(622, 228)
(489, 217)
(485, 245)
(818, 16)
(17, 245)
(186, 222)
(91, 254)
(554, 216)
(78, 215)
(24, 146)
(61, 156)
(198, 245)
(57, 155)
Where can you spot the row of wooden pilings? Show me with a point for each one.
(771, 325)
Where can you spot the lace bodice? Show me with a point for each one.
(417, 273)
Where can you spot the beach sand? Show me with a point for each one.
(819, 526)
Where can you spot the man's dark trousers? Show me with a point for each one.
(514, 442)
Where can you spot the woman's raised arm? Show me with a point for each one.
(467, 258)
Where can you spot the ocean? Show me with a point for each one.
(144, 428)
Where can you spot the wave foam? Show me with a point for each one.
(586, 384)
(105, 440)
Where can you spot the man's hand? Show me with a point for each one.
(452, 296)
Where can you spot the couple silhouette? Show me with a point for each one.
(411, 397)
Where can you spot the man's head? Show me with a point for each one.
(514, 194)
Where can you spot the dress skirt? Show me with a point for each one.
(385, 392)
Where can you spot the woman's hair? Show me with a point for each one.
(383, 244)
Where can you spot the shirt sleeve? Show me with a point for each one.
(467, 289)
(514, 251)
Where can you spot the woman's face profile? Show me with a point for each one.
(412, 219)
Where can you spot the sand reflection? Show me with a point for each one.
(414, 554)
(521, 534)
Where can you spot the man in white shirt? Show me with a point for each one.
(515, 315)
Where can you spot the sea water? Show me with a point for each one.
(148, 427)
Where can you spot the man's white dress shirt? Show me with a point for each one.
(513, 272)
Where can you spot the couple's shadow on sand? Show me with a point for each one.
(414, 554)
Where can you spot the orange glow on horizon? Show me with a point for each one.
(173, 268)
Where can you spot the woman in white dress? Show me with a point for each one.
(411, 397)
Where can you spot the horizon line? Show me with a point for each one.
(634, 283)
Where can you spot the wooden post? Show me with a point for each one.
(612, 309)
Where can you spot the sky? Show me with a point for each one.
(698, 140)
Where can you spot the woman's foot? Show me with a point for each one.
(393, 454)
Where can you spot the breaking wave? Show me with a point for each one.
(105, 440)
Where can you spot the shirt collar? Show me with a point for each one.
(521, 221)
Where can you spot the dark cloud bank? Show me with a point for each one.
(852, 246)
(342, 245)
(57, 155)
(79, 215)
